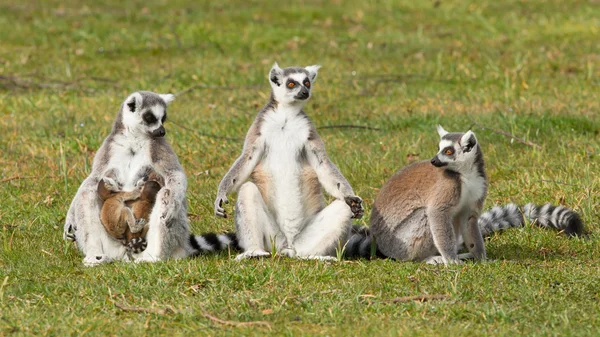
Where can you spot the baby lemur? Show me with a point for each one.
(279, 175)
(428, 210)
(125, 215)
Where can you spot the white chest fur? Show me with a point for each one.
(472, 188)
(129, 155)
(285, 133)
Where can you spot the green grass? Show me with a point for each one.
(528, 68)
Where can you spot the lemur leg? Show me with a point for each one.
(91, 237)
(255, 227)
(444, 237)
(472, 237)
(323, 232)
(168, 230)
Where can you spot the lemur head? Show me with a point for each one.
(457, 151)
(291, 86)
(145, 112)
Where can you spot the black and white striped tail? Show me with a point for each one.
(500, 218)
(558, 217)
(360, 244)
(211, 242)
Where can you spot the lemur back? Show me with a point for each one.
(433, 207)
(424, 208)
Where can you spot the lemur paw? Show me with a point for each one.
(147, 258)
(289, 252)
(219, 210)
(139, 225)
(355, 203)
(136, 245)
(252, 254)
(140, 183)
(94, 260)
(441, 260)
(111, 184)
(69, 233)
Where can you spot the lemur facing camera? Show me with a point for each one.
(285, 159)
(135, 142)
(428, 210)
(125, 215)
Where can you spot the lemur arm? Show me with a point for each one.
(241, 169)
(330, 176)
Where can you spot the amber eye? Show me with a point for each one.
(291, 85)
(448, 152)
(307, 84)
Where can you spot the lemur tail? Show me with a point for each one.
(211, 242)
(503, 217)
(360, 244)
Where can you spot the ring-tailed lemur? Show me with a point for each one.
(125, 215)
(432, 208)
(136, 141)
(287, 163)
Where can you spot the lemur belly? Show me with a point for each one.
(285, 138)
(129, 157)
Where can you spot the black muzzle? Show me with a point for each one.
(303, 94)
(159, 132)
(437, 162)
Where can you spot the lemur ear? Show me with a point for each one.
(441, 131)
(468, 141)
(134, 102)
(168, 98)
(312, 71)
(276, 74)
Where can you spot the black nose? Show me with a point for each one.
(160, 132)
(437, 162)
(303, 94)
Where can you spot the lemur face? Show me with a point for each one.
(144, 113)
(455, 149)
(292, 85)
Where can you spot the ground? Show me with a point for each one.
(396, 68)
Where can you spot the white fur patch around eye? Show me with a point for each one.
(445, 143)
(298, 77)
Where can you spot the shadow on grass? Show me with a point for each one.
(519, 252)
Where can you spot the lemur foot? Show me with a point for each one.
(252, 254)
(69, 233)
(136, 245)
(147, 258)
(440, 260)
(138, 226)
(356, 206)
(289, 252)
(94, 260)
(111, 184)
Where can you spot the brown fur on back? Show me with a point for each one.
(403, 202)
(418, 185)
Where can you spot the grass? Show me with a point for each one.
(527, 68)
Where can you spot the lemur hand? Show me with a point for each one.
(219, 210)
(355, 203)
(111, 185)
(140, 183)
